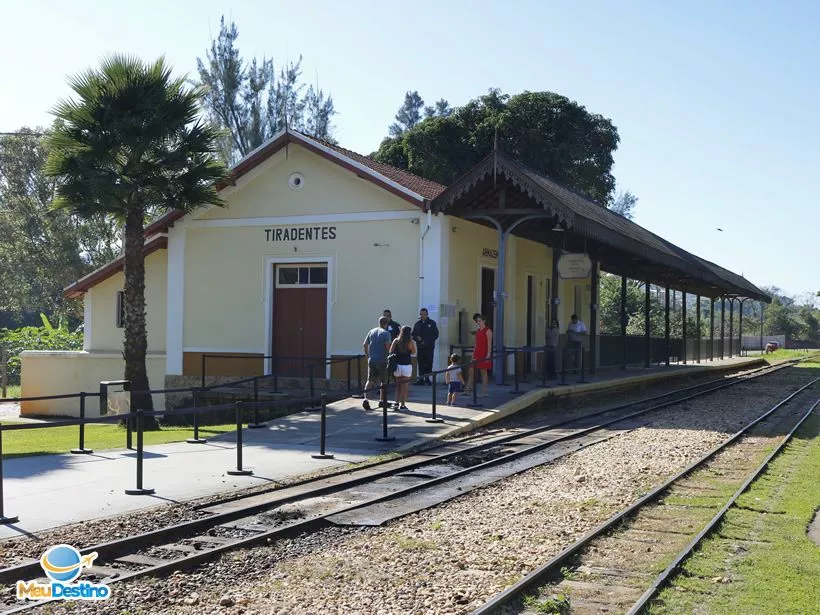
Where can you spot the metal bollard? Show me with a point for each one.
(434, 418)
(4, 520)
(140, 490)
(582, 380)
(82, 450)
(515, 391)
(323, 431)
(129, 441)
(196, 439)
(256, 424)
(563, 368)
(475, 403)
(239, 470)
(544, 368)
(383, 403)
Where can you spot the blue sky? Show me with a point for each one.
(716, 103)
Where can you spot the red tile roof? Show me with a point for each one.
(424, 187)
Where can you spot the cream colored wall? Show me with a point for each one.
(58, 373)
(105, 335)
(226, 301)
(225, 288)
(464, 275)
(534, 259)
(327, 188)
(523, 257)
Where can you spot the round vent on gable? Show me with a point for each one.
(296, 181)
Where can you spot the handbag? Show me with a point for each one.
(392, 362)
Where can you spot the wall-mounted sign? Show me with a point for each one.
(301, 233)
(573, 266)
(489, 253)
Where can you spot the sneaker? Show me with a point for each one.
(366, 405)
(404, 408)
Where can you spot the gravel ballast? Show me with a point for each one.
(451, 558)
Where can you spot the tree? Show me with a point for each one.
(624, 204)
(408, 115)
(43, 250)
(250, 103)
(132, 143)
(546, 131)
(440, 109)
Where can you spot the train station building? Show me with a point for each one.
(314, 241)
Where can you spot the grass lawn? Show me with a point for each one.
(97, 437)
(785, 353)
(760, 560)
(12, 390)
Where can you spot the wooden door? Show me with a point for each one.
(299, 320)
(487, 298)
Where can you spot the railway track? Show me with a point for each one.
(609, 570)
(368, 496)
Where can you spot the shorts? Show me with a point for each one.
(403, 371)
(377, 370)
(455, 387)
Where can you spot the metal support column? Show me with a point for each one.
(500, 362)
(500, 298)
(740, 326)
(647, 324)
(683, 324)
(761, 326)
(554, 298)
(712, 331)
(593, 318)
(666, 324)
(731, 326)
(697, 326)
(623, 322)
(722, 325)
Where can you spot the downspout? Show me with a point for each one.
(421, 255)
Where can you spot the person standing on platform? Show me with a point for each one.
(376, 347)
(454, 379)
(393, 327)
(575, 340)
(404, 348)
(481, 354)
(425, 333)
(551, 343)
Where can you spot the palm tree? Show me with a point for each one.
(130, 147)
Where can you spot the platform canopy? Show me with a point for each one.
(505, 194)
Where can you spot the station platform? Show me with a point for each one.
(48, 491)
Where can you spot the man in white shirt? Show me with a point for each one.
(575, 341)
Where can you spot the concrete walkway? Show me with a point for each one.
(52, 490)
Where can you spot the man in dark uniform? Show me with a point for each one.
(425, 332)
(393, 327)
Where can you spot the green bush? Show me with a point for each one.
(46, 337)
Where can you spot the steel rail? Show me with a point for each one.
(119, 547)
(545, 571)
(666, 575)
(747, 375)
(111, 550)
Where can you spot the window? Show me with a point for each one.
(120, 309)
(301, 275)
